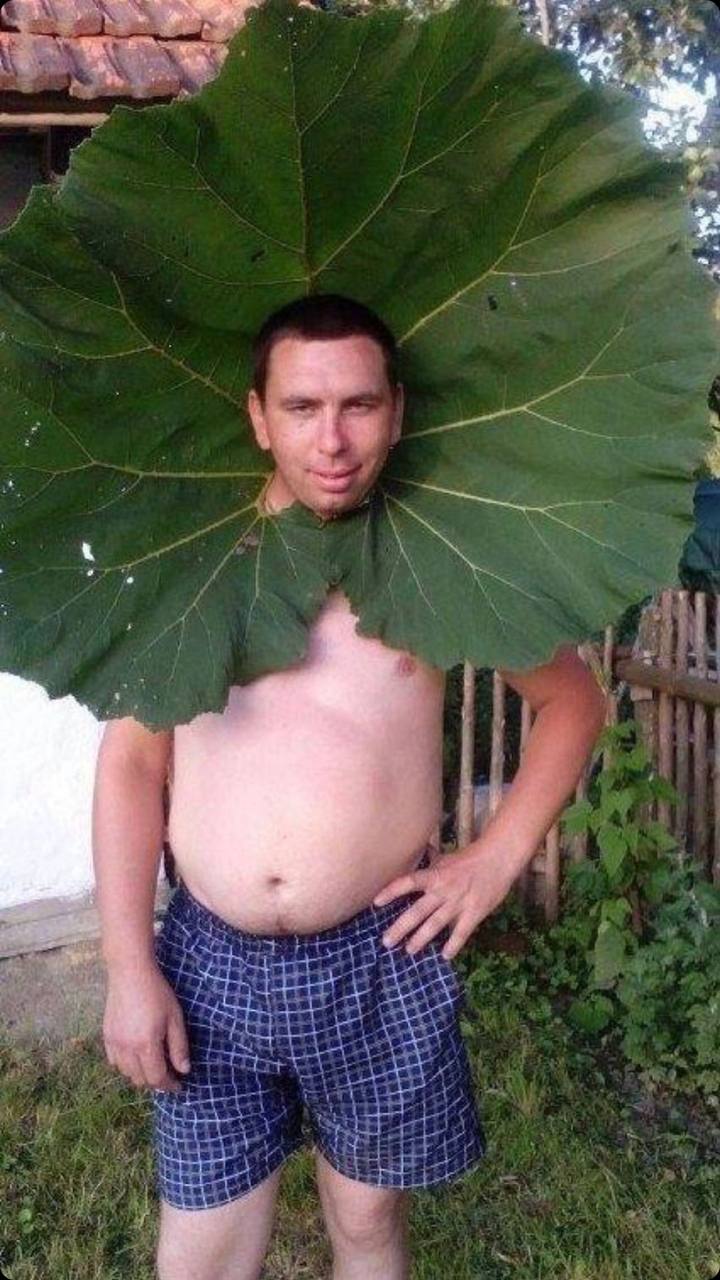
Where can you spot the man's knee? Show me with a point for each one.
(361, 1216)
(228, 1242)
(235, 1259)
(366, 1229)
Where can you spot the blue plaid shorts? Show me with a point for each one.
(329, 1036)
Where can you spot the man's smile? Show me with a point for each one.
(335, 480)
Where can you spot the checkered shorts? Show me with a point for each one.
(330, 1036)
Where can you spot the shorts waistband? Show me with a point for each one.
(371, 918)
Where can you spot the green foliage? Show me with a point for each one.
(640, 46)
(632, 868)
(636, 953)
(643, 42)
(669, 992)
(556, 341)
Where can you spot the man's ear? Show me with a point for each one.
(398, 413)
(257, 418)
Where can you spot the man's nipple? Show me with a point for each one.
(405, 665)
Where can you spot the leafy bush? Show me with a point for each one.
(670, 991)
(635, 956)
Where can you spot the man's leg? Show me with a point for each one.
(367, 1226)
(228, 1242)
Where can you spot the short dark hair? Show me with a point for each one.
(320, 315)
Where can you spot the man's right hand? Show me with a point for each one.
(144, 1029)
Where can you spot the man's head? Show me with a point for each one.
(325, 401)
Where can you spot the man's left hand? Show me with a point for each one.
(460, 889)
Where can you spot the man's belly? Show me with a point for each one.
(295, 827)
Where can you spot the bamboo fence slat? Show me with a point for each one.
(552, 874)
(524, 881)
(608, 654)
(666, 707)
(645, 678)
(700, 826)
(682, 725)
(715, 871)
(466, 791)
(497, 746)
(35, 119)
(578, 843)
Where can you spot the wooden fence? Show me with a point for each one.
(671, 676)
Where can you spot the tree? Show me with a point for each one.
(641, 47)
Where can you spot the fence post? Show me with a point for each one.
(645, 649)
(466, 789)
(700, 824)
(682, 727)
(666, 703)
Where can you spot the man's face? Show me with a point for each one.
(329, 419)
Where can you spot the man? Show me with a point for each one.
(304, 965)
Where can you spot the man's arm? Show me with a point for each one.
(571, 711)
(143, 1029)
(128, 824)
(464, 887)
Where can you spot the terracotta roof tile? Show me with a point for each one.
(95, 72)
(54, 17)
(169, 19)
(220, 19)
(196, 62)
(125, 18)
(150, 72)
(136, 67)
(116, 48)
(31, 64)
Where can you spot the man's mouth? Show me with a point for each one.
(335, 481)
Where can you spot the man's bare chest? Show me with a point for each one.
(337, 648)
(347, 684)
(324, 777)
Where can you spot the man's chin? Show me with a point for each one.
(332, 505)
(331, 511)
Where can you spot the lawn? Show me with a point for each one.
(579, 1183)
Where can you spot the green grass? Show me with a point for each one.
(575, 1186)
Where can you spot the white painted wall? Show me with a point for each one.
(47, 760)
(48, 751)
(47, 748)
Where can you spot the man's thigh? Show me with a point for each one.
(378, 1050)
(237, 1114)
(229, 1240)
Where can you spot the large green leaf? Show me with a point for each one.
(510, 224)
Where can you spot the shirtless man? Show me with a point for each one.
(304, 965)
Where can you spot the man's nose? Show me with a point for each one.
(331, 437)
